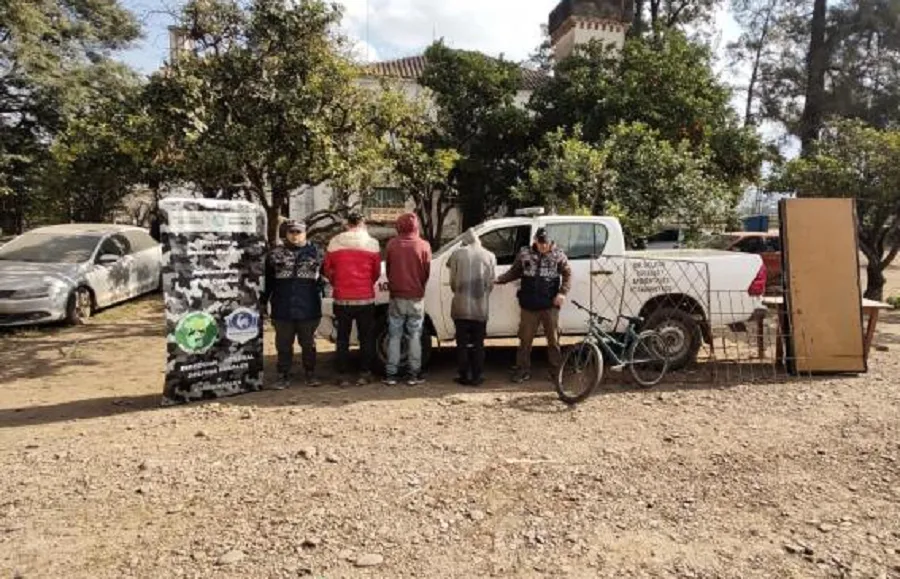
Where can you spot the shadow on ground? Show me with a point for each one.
(535, 396)
(56, 349)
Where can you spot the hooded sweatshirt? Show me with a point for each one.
(408, 260)
(472, 270)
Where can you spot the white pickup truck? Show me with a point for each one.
(687, 291)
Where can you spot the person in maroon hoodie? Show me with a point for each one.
(352, 266)
(408, 264)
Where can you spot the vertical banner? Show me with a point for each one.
(213, 274)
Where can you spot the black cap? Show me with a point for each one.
(354, 219)
(541, 235)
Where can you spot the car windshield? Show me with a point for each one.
(40, 247)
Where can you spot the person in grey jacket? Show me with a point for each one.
(472, 270)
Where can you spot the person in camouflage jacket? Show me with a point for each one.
(294, 291)
(546, 279)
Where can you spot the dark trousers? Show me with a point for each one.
(305, 334)
(528, 328)
(470, 348)
(364, 316)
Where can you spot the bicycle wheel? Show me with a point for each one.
(580, 373)
(648, 359)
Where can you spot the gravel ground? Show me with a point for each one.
(793, 478)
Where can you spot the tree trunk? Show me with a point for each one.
(757, 57)
(874, 281)
(473, 209)
(272, 223)
(637, 25)
(816, 63)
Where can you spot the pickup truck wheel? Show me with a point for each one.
(381, 347)
(681, 335)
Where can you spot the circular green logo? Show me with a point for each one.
(196, 332)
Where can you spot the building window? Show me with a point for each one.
(384, 197)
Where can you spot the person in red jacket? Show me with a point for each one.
(408, 263)
(353, 266)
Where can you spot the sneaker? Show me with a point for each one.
(282, 383)
(521, 376)
(462, 381)
(389, 381)
(312, 380)
(477, 382)
(415, 380)
(343, 382)
(364, 379)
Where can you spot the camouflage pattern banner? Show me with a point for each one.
(213, 273)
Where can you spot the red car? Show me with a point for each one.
(765, 244)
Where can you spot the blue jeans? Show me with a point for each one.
(405, 319)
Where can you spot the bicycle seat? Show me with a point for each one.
(633, 319)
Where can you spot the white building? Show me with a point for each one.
(571, 23)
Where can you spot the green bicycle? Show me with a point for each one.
(644, 353)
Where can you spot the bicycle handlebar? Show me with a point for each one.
(599, 317)
(589, 311)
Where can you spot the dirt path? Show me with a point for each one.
(792, 479)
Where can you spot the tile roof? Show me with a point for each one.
(412, 67)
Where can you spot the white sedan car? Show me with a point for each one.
(66, 272)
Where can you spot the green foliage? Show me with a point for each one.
(476, 116)
(650, 182)
(420, 164)
(54, 60)
(858, 49)
(637, 176)
(266, 105)
(97, 159)
(665, 82)
(567, 176)
(853, 160)
(657, 15)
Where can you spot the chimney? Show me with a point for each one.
(576, 22)
(179, 43)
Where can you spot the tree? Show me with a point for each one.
(265, 104)
(650, 181)
(419, 163)
(567, 175)
(836, 60)
(665, 14)
(759, 21)
(636, 175)
(474, 97)
(95, 161)
(863, 77)
(861, 162)
(54, 54)
(816, 65)
(666, 83)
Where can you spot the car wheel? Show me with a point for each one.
(681, 335)
(381, 347)
(80, 306)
